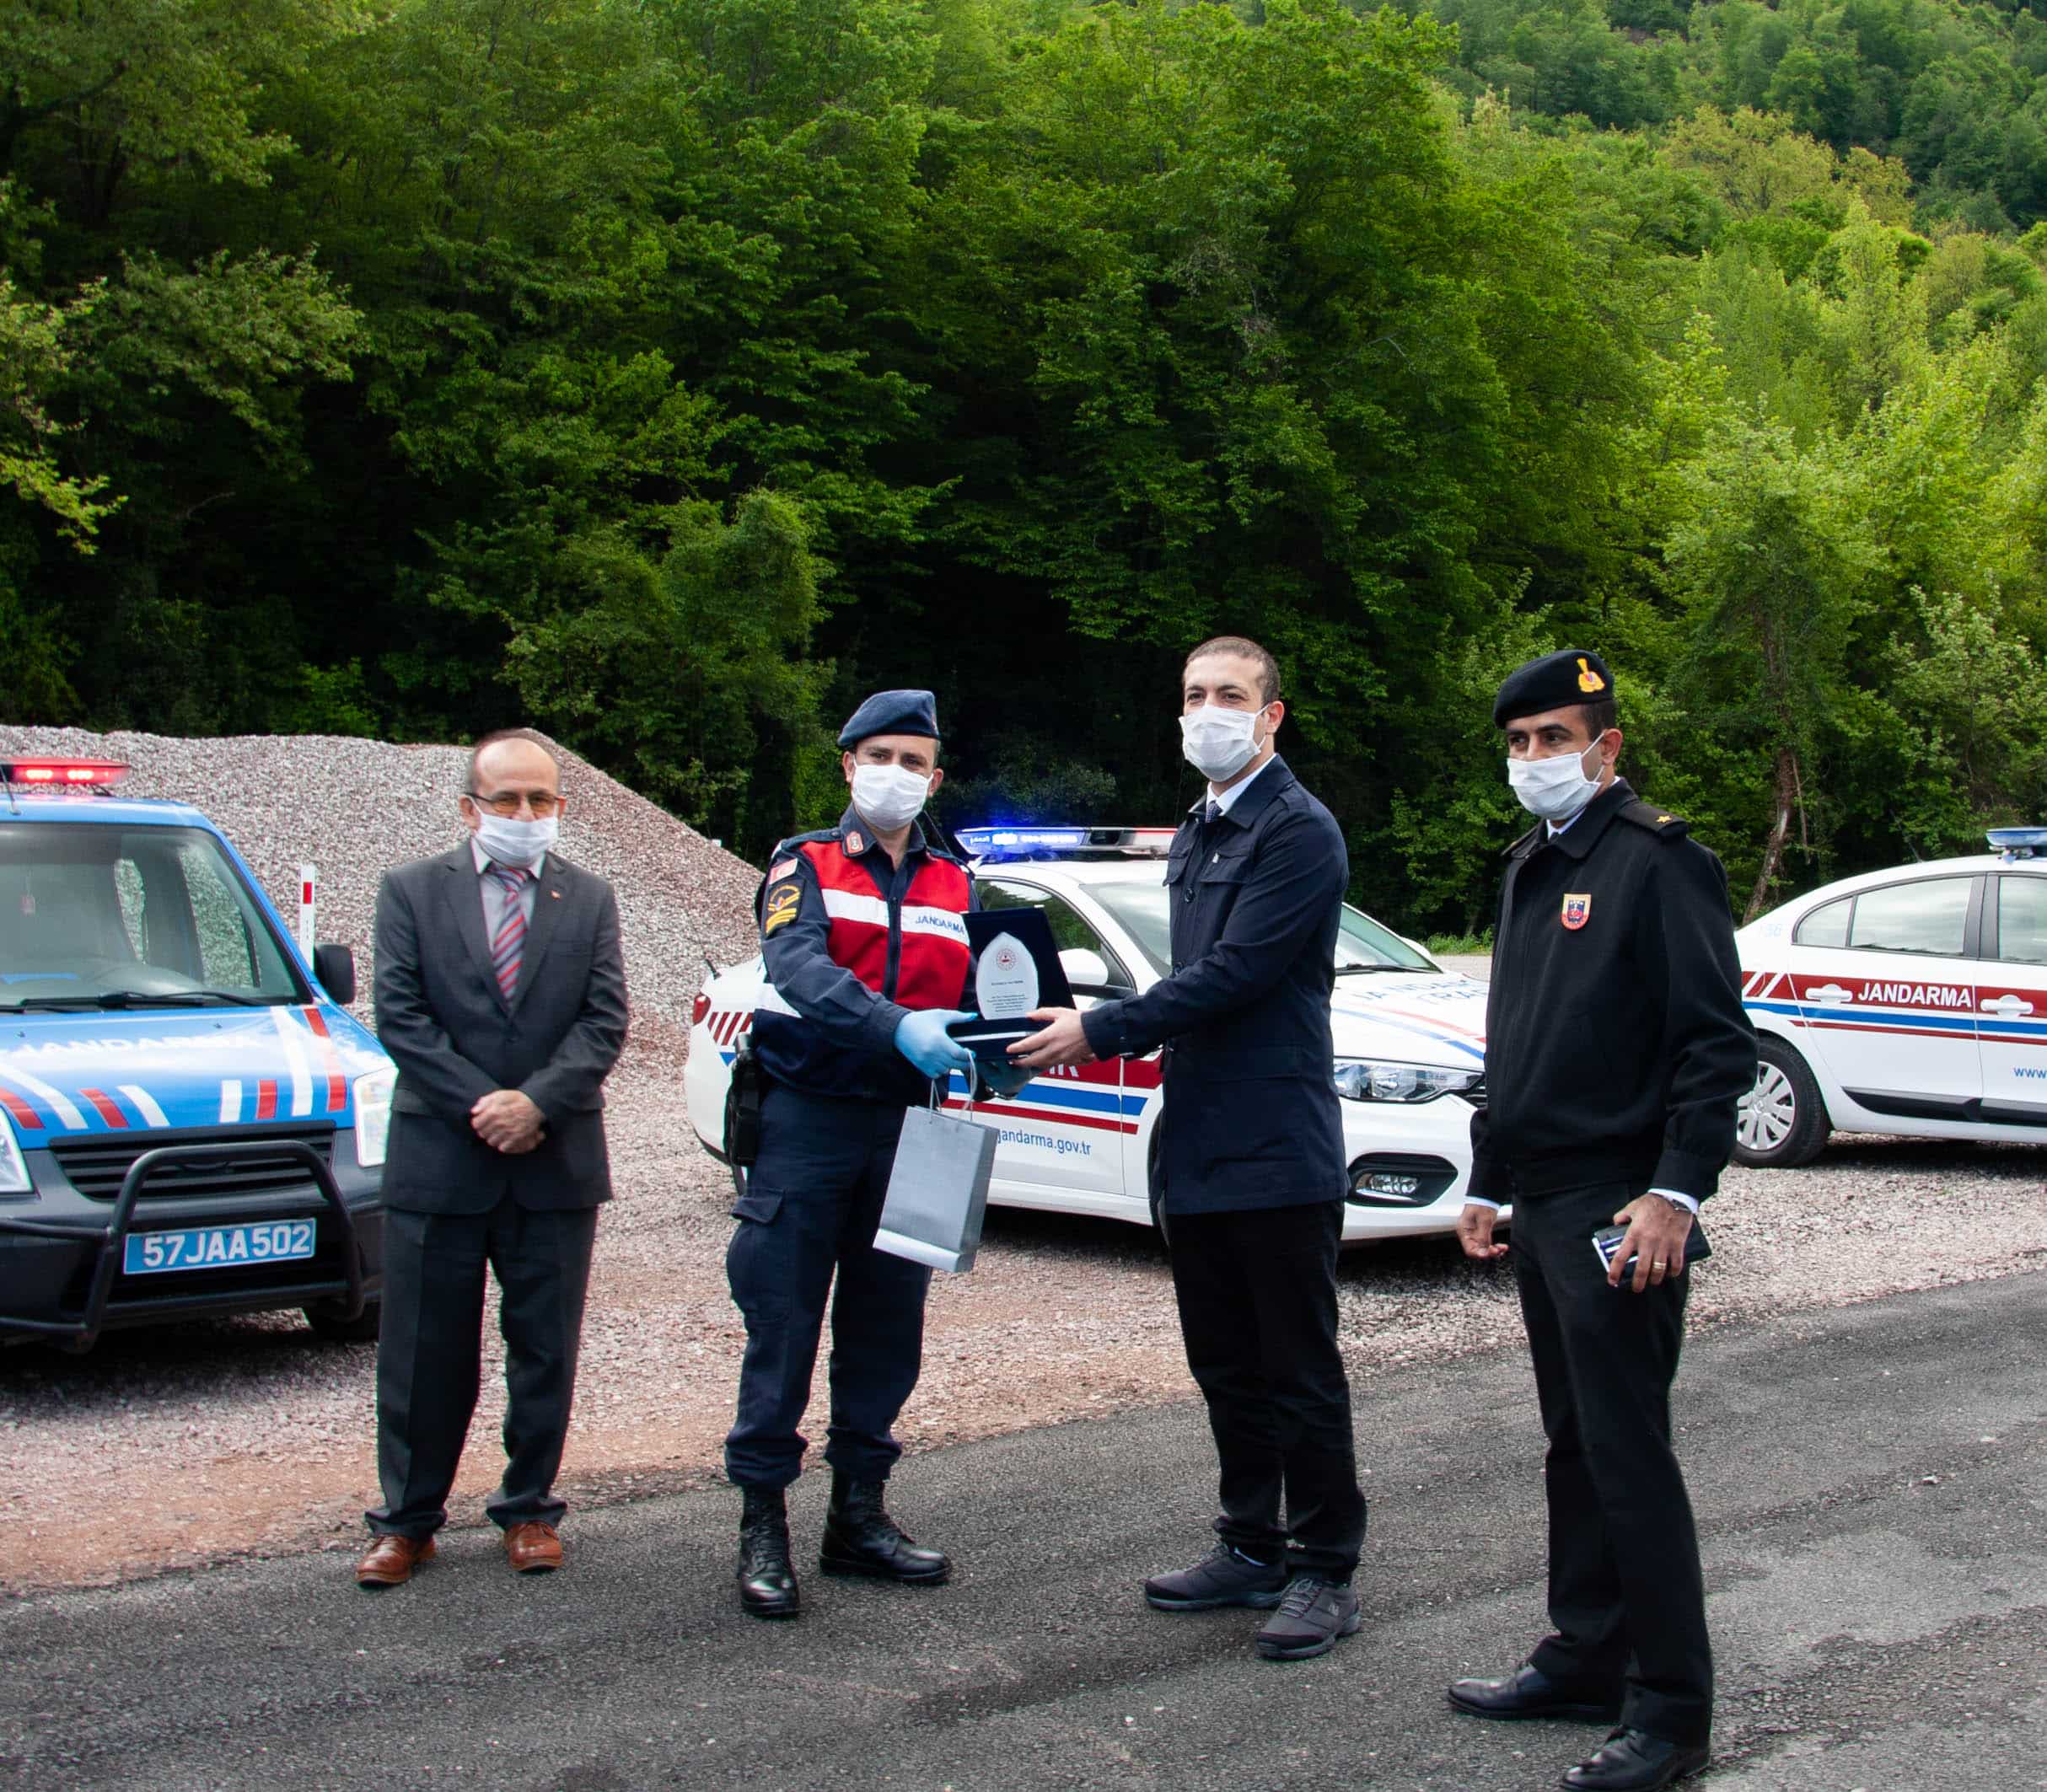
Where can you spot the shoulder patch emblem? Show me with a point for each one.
(776, 873)
(782, 903)
(1577, 910)
(856, 842)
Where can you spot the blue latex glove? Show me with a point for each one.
(920, 1037)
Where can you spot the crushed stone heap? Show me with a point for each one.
(355, 807)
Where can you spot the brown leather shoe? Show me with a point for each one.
(534, 1547)
(390, 1560)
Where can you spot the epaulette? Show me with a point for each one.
(778, 860)
(1659, 822)
(1522, 847)
(785, 847)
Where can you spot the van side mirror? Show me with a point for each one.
(335, 966)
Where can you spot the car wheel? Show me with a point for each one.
(1783, 1121)
(328, 1323)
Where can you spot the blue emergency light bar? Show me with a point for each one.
(1035, 842)
(2017, 843)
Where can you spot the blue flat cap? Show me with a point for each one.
(1554, 682)
(892, 712)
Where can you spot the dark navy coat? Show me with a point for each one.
(1617, 1049)
(1251, 1118)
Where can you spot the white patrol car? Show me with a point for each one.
(1912, 1001)
(1409, 1036)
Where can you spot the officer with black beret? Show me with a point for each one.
(1617, 1053)
(866, 958)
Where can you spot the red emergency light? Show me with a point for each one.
(64, 773)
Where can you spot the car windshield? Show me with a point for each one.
(1363, 945)
(99, 915)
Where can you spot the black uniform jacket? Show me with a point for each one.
(844, 1044)
(1616, 1047)
(454, 1037)
(1250, 1118)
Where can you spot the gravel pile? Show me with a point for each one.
(356, 808)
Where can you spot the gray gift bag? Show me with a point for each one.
(938, 1191)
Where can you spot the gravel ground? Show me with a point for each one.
(192, 1443)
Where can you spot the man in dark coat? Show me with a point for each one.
(1249, 1176)
(501, 995)
(1617, 1052)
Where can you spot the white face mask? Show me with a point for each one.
(510, 841)
(1555, 788)
(1219, 742)
(888, 796)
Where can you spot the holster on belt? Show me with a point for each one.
(742, 1108)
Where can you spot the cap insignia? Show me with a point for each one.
(1588, 680)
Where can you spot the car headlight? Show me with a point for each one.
(373, 1099)
(14, 1170)
(1379, 1079)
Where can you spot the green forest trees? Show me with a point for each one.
(669, 372)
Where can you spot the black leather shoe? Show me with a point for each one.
(1225, 1576)
(1528, 1691)
(767, 1580)
(861, 1539)
(1633, 1761)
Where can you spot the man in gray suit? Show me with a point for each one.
(501, 994)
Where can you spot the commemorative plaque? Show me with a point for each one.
(1016, 969)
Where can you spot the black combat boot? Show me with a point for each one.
(861, 1539)
(767, 1582)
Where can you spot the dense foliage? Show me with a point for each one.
(669, 371)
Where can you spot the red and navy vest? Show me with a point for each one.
(912, 951)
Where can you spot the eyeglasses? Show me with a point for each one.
(540, 803)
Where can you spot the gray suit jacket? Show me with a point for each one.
(454, 1037)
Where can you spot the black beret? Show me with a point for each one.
(1554, 682)
(892, 712)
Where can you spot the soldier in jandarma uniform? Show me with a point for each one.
(866, 959)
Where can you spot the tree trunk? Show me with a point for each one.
(1773, 854)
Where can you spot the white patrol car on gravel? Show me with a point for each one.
(1912, 1001)
(1409, 1036)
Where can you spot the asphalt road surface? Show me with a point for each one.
(1872, 1483)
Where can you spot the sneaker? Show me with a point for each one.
(1313, 1613)
(1225, 1576)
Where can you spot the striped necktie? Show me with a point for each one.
(508, 946)
(1213, 813)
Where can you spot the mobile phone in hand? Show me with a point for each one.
(1606, 1242)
